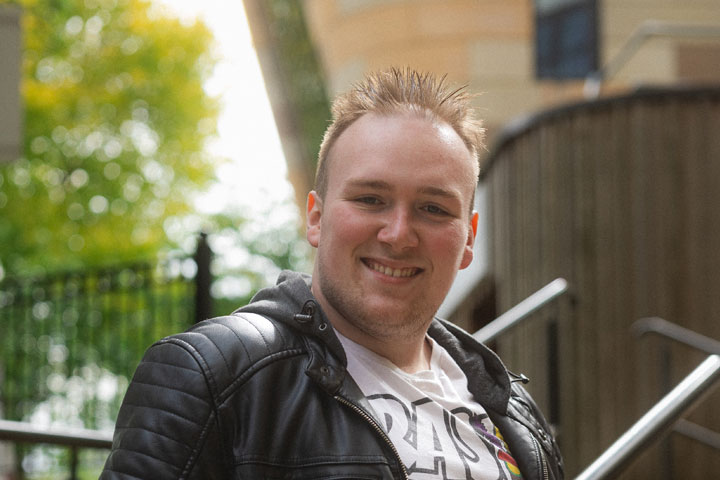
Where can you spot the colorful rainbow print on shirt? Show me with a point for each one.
(506, 458)
(509, 463)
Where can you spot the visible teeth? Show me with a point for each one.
(393, 272)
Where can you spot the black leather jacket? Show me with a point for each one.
(264, 393)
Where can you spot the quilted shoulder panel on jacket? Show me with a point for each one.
(168, 418)
(232, 348)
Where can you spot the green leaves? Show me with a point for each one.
(116, 119)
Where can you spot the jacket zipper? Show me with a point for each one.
(541, 455)
(377, 428)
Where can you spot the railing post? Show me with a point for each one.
(665, 380)
(203, 279)
(73, 463)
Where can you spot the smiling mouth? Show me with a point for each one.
(392, 272)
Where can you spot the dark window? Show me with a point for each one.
(566, 40)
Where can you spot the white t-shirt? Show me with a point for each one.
(440, 431)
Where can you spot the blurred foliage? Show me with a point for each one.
(116, 120)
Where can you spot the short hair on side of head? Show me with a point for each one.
(402, 90)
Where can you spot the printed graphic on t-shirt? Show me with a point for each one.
(450, 445)
(438, 428)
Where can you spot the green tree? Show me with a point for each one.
(116, 120)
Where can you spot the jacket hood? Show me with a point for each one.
(283, 300)
(291, 302)
(488, 379)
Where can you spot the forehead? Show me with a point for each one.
(403, 149)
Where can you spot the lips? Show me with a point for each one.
(390, 271)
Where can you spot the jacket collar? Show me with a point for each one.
(291, 302)
(488, 379)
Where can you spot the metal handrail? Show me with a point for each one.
(675, 332)
(646, 30)
(698, 433)
(660, 418)
(24, 432)
(660, 326)
(522, 310)
(74, 438)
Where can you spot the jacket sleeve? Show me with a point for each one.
(167, 425)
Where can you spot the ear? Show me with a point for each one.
(472, 232)
(314, 214)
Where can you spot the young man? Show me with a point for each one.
(347, 374)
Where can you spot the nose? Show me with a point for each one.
(398, 230)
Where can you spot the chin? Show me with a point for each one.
(397, 322)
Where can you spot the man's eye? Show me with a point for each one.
(435, 210)
(368, 200)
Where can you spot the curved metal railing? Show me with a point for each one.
(690, 338)
(522, 310)
(660, 326)
(656, 421)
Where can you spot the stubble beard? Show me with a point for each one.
(350, 304)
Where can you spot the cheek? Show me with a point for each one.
(345, 228)
(448, 244)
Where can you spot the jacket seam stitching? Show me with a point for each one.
(175, 440)
(155, 385)
(192, 459)
(155, 362)
(200, 359)
(146, 455)
(139, 407)
(257, 366)
(212, 390)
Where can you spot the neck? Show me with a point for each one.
(408, 350)
(408, 354)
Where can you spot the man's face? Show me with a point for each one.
(394, 227)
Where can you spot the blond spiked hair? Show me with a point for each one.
(402, 91)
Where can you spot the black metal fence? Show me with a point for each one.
(69, 342)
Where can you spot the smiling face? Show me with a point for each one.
(394, 226)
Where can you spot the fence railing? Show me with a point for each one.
(74, 438)
(70, 341)
(81, 327)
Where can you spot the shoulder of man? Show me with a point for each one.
(227, 347)
(166, 425)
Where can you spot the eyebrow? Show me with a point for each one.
(438, 192)
(382, 185)
(375, 184)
